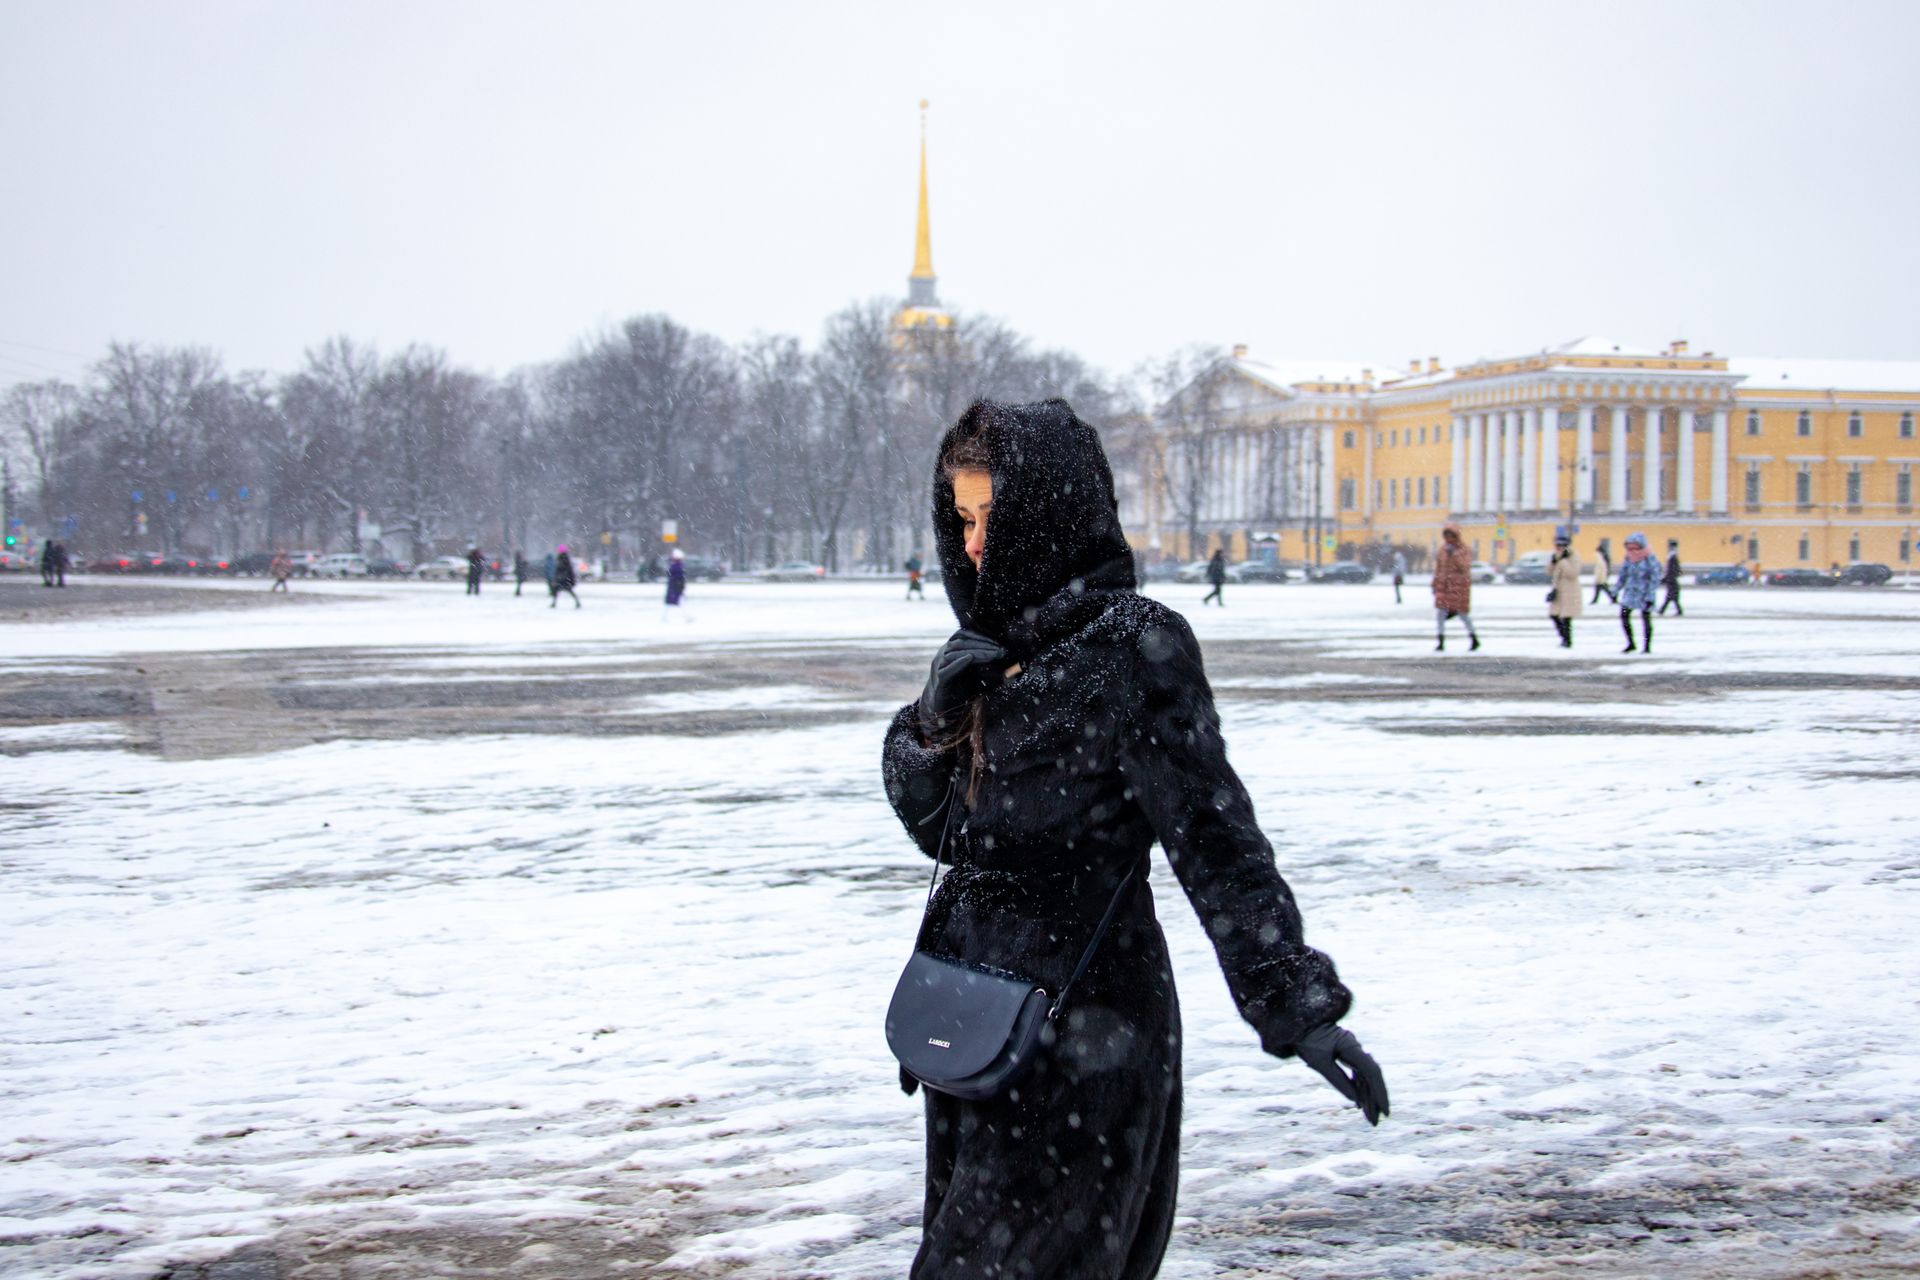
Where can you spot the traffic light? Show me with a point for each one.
(12, 541)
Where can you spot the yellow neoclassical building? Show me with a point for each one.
(1782, 462)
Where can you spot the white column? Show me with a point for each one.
(1459, 478)
(1510, 461)
(1617, 462)
(1329, 513)
(1476, 467)
(1717, 481)
(1550, 457)
(1530, 459)
(1683, 481)
(1583, 457)
(1490, 483)
(1650, 460)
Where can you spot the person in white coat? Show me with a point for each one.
(1563, 597)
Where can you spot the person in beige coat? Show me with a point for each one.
(1563, 600)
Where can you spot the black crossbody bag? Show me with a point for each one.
(969, 1031)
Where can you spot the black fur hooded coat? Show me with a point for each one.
(1105, 742)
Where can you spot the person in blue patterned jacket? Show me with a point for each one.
(1638, 584)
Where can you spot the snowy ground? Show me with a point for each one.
(408, 935)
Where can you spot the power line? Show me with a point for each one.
(52, 351)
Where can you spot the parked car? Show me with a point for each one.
(1864, 575)
(1481, 572)
(1260, 571)
(1800, 578)
(342, 565)
(1197, 572)
(444, 568)
(1722, 575)
(794, 571)
(1342, 571)
(381, 567)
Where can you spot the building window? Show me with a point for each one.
(1393, 438)
(1803, 489)
(1854, 429)
(1753, 486)
(1423, 435)
(1906, 426)
(1806, 547)
(1347, 494)
(1903, 488)
(1379, 439)
(1753, 422)
(1805, 425)
(1379, 493)
(1753, 546)
(1853, 487)
(1853, 547)
(1346, 439)
(1422, 491)
(1906, 550)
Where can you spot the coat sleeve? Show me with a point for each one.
(918, 779)
(1175, 764)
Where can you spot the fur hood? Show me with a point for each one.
(1054, 545)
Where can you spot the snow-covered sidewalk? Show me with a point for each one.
(1643, 980)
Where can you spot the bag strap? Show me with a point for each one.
(939, 857)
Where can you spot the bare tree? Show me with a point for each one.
(41, 417)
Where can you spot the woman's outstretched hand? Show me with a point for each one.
(1335, 1053)
(967, 665)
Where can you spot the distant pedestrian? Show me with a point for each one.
(1672, 580)
(519, 570)
(475, 564)
(1602, 572)
(1563, 598)
(1453, 588)
(53, 564)
(547, 570)
(676, 581)
(563, 578)
(1217, 575)
(1399, 574)
(913, 577)
(281, 569)
(1639, 580)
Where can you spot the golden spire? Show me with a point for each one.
(922, 237)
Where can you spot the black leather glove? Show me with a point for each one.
(967, 665)
(1331, 1048)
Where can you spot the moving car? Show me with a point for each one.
(444, 568)
(1535, 568)
(699, 569)
(1342, 571)
(794, 571)
(342, 565)
(1864, 575)
(1260, 571)
(381, 567)
(1800, 578)
(1722, 575)
(1197, 572)
(1481, 572)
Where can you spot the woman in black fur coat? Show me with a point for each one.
(1071, 721)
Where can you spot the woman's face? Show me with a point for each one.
(972, 499)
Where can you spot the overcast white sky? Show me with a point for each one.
(1362, 181)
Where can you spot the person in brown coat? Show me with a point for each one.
(1453, 587)
(1563, 601)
